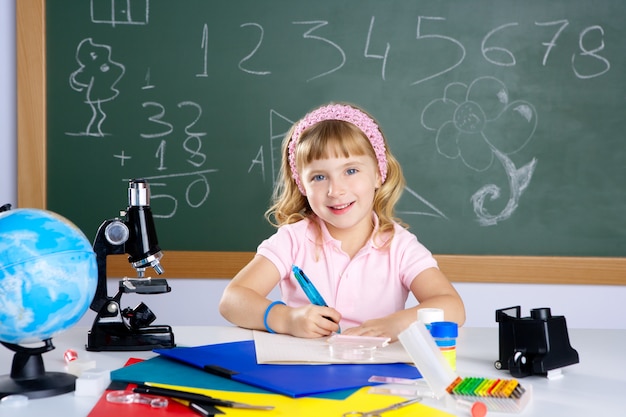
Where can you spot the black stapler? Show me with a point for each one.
(533, 345)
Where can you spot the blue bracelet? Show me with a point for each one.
(267, 312)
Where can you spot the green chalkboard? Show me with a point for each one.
(507, 116)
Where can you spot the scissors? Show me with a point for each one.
(377, 413)
(129, 397)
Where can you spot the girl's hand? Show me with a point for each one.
(383, 327)
(312, 321)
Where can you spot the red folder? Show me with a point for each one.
(104, 408)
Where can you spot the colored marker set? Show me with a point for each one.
(485, 387)
(502, 395)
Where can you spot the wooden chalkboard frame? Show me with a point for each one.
(31, 179)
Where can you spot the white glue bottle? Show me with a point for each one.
(429, 315)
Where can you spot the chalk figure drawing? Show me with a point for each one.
(478, 125)
(96, 77)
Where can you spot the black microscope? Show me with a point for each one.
(129, 329)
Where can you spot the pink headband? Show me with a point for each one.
(347, 114)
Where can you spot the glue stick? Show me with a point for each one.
(445, 334)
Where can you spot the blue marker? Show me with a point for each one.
(309, 289)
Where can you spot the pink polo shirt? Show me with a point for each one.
(373, 284)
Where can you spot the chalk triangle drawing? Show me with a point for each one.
(279, 126)
(422, 206)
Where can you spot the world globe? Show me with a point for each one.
(48, 275)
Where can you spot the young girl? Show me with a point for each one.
(334, 208)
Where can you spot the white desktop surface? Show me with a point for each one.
(594, 386)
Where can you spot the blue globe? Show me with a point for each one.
(48, 275)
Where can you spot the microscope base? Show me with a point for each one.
(119, 337)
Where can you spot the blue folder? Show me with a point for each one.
(162, 370)
(237, 361)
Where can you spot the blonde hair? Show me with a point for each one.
(332, 138)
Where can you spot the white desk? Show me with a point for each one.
(592, 387)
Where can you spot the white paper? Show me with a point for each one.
(274, 348)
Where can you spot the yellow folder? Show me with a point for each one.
(285, 406)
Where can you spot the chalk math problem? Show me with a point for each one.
(507, 118)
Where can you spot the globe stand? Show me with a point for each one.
(28, 375)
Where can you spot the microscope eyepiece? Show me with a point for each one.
(142, 246)
(138, 193)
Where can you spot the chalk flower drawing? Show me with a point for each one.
(478, 124)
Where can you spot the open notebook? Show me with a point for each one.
(285, 349)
